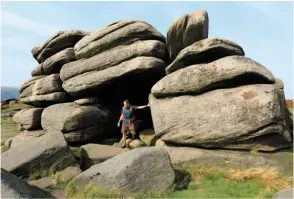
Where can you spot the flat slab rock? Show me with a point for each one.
(43, 91)
(56, 43)
(49, 151)
(54, 63)
(26, 137)
(68, 174)
(226, 72)
(119, 33)
(243, 117)
(187, 30)
(43, 183)
(140, 170)
(91, 154)
(204, 51)
(87, 101)
(14, 187)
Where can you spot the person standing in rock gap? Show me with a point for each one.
(128, 118)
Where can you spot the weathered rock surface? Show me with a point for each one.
(28, 119)
(122, 32)
(49, 151)
(29, 83)
(14, 187)
(67, 174)
(78, 123)
(43, 183)
(143, 57)
(186, 30)
(241, 118)
(142, 170)
(280, 85)
(205, 51)
(54, 63)
(26, 137)
(148, 136)
(223, 73)
(97, 79)
(228, 159)
(7, 142)
(87, 101)
(283, 194)
(57, 42)
(91, 154)
(43, 91)
(134, 143)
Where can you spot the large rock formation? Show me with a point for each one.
(50, 151)
(57, 42)
(120, 61)
(187, 30)
(28, 119)
(78, 123)
(107, 67)
(14, 187)
(205, 51)
(238, 118)
(222, 73)
(143, 170)
(43, 91)
(54, 63)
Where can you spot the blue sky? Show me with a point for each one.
(263, 29)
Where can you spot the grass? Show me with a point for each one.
(207, 182)
(8, 126)
(44, 172)
(60, 183)
(14, 106)
(4, 148)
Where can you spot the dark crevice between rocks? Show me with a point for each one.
(241, 80)
(135, 88)
(270, 140)
(206, 56)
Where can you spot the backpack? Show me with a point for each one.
(132, 110)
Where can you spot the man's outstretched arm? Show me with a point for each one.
(141, 107)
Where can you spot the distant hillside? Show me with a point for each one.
(9, 92)
(289, 103)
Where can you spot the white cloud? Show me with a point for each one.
(9, 19)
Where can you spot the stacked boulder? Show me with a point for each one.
(82, 79)
(44, 88)
(203, 93)
(214, 97)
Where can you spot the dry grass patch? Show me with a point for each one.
(270, 177)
